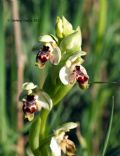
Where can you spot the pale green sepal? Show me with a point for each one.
(66, 127)
(72, 42)
(46, 39)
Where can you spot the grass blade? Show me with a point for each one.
(109, 129)
(3, 122)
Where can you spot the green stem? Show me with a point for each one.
(43, 130)
(44, 115)
(61, 92)
(34, 134)
(38, 133)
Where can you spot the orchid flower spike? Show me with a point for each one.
(33, 103)
(49, 51)
(73, 71)
(60, 143)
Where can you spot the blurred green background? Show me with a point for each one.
(100, 25)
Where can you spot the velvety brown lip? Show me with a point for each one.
(29, 106)
(80, 76)
(43, 55)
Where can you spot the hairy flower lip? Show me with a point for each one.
(43, 55)
(81, 76)
(82, 79)
(29, 109)
(29, 104)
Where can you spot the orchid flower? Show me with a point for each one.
(73, 71)
(60, 143)
(33, 103)
(49, 51)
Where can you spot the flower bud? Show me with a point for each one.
(72, 42)
(67, 27)
(59, 28)
(63, 27)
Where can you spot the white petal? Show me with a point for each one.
(46, 39)
(64, 75)
(56, 150)
(55, 56)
